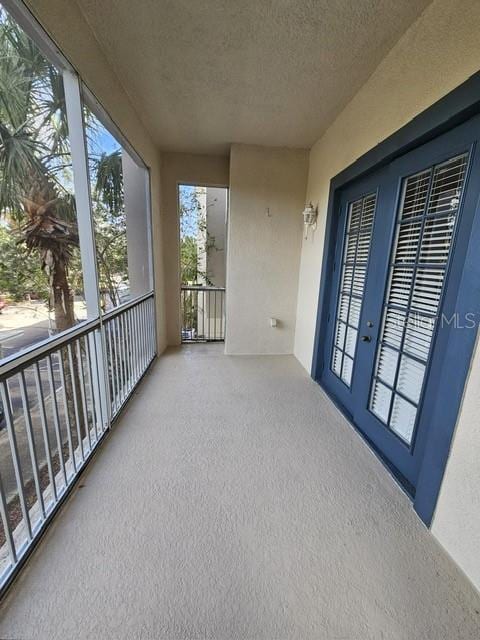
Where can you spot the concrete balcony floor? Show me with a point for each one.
(232, 500)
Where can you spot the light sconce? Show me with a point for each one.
(309, 218)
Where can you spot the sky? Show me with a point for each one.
(189, 226)
(102, 140)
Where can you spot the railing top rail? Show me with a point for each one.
(199, 287)
(21, 360)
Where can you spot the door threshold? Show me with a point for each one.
(405, 485)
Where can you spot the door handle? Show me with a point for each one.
(366, 339)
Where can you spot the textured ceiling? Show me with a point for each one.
(205, 73)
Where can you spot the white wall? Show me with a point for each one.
(216, 206)
(201, 195)
(267, 189)
(439, 52)
(138, 238)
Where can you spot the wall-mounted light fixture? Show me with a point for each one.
(309, 218)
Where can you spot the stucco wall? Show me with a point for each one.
(439, 51)
(65, 24)
(192, 169)
(217, 202)
(267, 189)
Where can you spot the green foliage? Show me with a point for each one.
(109, 181)
(189, 260)
(111, 245)
(36, 199)
(195, 242)
(33, 124)
(20, 273)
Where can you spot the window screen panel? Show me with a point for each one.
(356, 250)
(426, 224)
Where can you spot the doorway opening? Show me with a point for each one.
(203, 214)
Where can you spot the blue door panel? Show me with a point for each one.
(450, 348)
(360, 189)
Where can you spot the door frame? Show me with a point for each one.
(453, 109)
(206, 185)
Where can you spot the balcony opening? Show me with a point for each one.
(77, 316)
(203, 213)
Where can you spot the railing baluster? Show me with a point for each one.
(125, 352)
(83, 392)
(130, 349)
(118, 334)
(31, 441)
(56, 420)
(63, 381)
(132, 346)
(128, 361)
(95, 408)
(140, 338)
(116, 373)
(204, 331)
(145, 333)
(215, 315)
(221, 316)
(118, 347)
(135, 342)
(17, 467)
(209, 315)
(43, 421)
(97, 390)
(73, 375)
(6, 524)
(153, 346)
(111, 375)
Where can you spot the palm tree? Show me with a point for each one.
(108, 214)
(35, 166)
(36, 181)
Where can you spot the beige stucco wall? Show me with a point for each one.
(216, 204)
(66, 25)
(439, 51)
(457, 518)
(180, 168)
(267, 188)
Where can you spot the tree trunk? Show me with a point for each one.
(62, 297)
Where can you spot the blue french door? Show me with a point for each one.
(401, 241)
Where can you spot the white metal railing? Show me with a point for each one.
(203, 313)
(130, 347)
(57, 402)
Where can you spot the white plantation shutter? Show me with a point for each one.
(358, 237)
(426, 224)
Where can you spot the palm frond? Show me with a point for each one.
(109, 181)
(19, 165)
